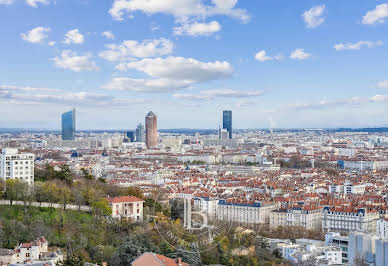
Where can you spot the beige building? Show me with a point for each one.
(127, 207)
(278, 218)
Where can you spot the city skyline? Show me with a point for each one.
(329, 73)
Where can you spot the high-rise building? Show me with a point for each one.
(15, 165)
(227, 122)
(131, 136)
(68, 125)
(140, 133)
(151, 122)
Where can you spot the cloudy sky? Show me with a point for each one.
(275, 63)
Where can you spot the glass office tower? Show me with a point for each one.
(227, 122)
(68, 125)
(140, 133)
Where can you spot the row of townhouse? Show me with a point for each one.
(252, 212)
(348, 219)
(330, 219)
(245, 212)
(308, 217)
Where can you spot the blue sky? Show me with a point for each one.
(281, 64)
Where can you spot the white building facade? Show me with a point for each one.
(15, 165)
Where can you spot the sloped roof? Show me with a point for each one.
(151, 114)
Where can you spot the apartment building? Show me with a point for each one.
(15, 165)
(335, 239)
(307, 216)
(244, 212)
(349, 220)
(278, 218)
(382, 228)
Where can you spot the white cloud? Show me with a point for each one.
(357, 45)
(108, 35)
(169, 74)
(74, 36)
(34, 3)
(182, 10)
(354, 101)
(35, 35)
(77, 63)
(221, 93)
(314, 16)
(30, 95)
(130, 49)
(27, 89)
(378, 15)
(180, 68)
(146, 85)
(229, 93)
(198, 29)
(300, 54)
(246, 103)
(6, 2)
(379, 98)
(52, 43)
(262, 57)
(383, 84)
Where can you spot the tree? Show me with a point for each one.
(2, 189)
(131, 249)
(64, 196)
(72, 261)
(16, 190)
(132, 191)
(101, 208)
(64, 174)
(86, 175)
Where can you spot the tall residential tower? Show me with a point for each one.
(227, 122)
(151, 122)
(68, 125)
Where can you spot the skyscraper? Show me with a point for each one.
(151, 122)
(140, 133)
(68, 125)
(227, 122)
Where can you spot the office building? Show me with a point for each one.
(227, 122)
(131, 135)
(68, 125)
(151, 122)
(140, 133)
(15, 165)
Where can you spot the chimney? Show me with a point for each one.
(180, 262)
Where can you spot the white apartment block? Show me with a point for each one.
(335, 239)
(206, 205)
(347, 188)
(308, 217)
(353, 189)
(382, 228)
(334, 220)
(15, 165)
(248, 213)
